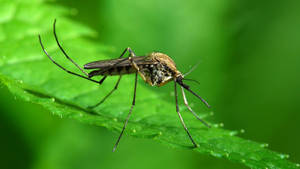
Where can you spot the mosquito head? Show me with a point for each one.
(179, 80)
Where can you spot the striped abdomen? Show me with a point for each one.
(117, 70)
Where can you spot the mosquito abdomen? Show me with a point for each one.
(113, 71)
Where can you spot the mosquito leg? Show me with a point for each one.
(73, 73)
(131, 52)
(181, 119)
(117, 84)
(115, 88)
(191, 110)
(128, 116)
(66, 55)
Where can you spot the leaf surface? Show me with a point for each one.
(31, 76)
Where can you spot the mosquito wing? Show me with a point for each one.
(122, 62)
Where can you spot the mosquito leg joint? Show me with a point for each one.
(134, 64)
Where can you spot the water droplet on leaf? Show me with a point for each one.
(284, 156)
(264, 145)
(233, 133)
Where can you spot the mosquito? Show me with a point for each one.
(156, 69)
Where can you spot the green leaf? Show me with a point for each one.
(31, 76)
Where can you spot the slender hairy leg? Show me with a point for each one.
(115, 88)
(128, 116)
(66, 55)
(180, 117)
(131, 53)
(73, 73)
(190, 109)
(64, 52)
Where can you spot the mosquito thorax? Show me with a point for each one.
(161, 71)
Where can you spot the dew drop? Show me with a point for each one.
(53, 99)
(115, 119)
(284, 156)
(134, 131)
(216, 125)
(243, 160)
(264, 145)
(20, 81)
(242, 131)
(233, 133)
(211, 113)
(160, 133)
(215, 154)
(298, 165)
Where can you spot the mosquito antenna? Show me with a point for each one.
(192, 69)
(179, 81)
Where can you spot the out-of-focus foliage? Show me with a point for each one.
(213, 32)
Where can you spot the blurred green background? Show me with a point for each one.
(249, 72)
